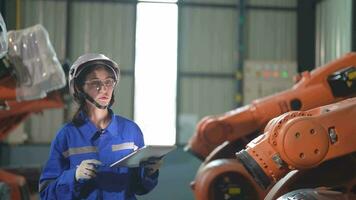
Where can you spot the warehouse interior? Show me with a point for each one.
(180, 61)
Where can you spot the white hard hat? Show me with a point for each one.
(87, 60)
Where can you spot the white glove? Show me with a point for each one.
(87, 169)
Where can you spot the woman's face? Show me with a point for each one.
(99, 85)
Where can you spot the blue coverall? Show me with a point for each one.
(75, 144)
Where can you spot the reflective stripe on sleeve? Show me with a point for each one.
(127, 145)
(79, 150)
(44, 184)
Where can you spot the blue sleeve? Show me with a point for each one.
(143, 183)
(57, 180)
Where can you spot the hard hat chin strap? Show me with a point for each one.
(85, 95)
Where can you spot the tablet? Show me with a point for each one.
(142, 154)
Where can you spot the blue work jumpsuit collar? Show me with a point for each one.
(90, 128)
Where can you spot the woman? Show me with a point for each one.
(78, 165)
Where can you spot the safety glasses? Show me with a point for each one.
(97, 84)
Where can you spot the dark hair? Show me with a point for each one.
(77, 119)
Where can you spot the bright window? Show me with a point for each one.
(156, 71)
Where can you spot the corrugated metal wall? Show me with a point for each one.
(107, 28)
(208, 43)
(52, 15)
(333, 30)
(281, 3)
(211, 1)
(271, 35)
(208, 38)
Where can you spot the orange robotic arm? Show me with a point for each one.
(13, 112)
(324, 85)
(301, 140)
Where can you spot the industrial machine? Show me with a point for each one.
(298, 149)
(234, 129)
(30, 76)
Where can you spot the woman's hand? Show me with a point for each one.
(152, 165)
(87, 169)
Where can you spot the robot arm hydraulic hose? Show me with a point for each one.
(324, 85)
(301, 140)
